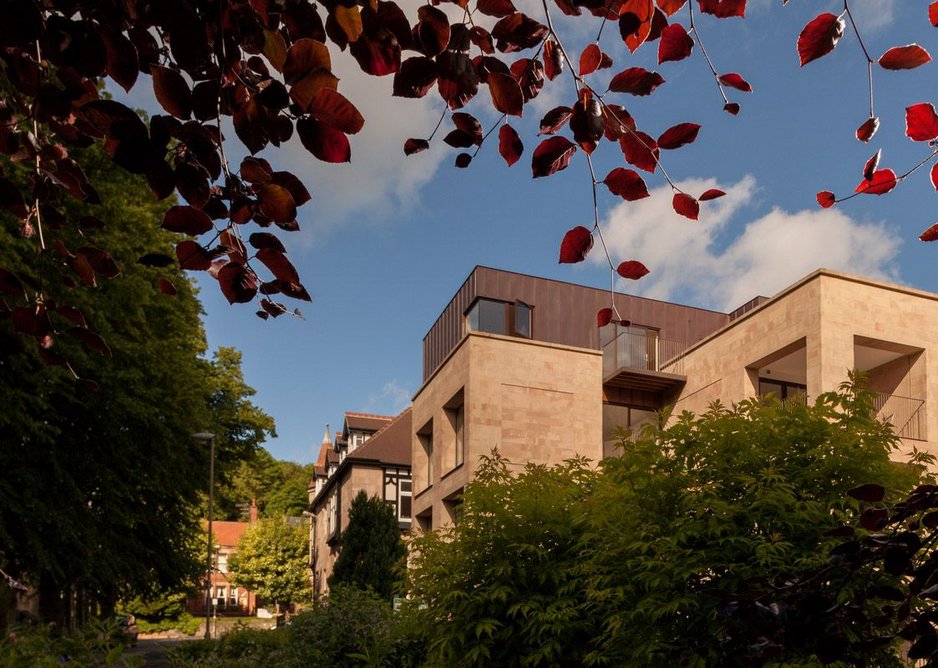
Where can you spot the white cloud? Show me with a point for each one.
(872, 15)
(391, 400)
(706, 263)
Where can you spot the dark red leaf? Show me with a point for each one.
(904, 57)
(671, 7)
(289, 181)
(530, 76)
(733, 80)
(72, 314)
(632, 269)
(686, 205)
(433, 30)
(731, 108)
(100, 261)
(458, 81)
(192, 256)
(934, 175)
(470, 125)
(882, 182)
(626, 183)
(604, 317)
(255, 170)
(324, 142)
(640, 150)
(238, 283)
(712, 193)
(555, 119)
(273, 308)
(276, 202)
(618, 121)
(866, 131)
(459, 139)
(415, 78)
(90, 339)
(412, 146)
(496, 8)
(332, 108)
(166, 287)
(587, 122)
(921, 122)
(636, 81)
(155, 260)
(261, 240)
(172, 91)
(463, 160)
(32, 320)
(552, 155)
(482, 38)
(820, 37)
(52, 358)
(553, 60)
(304, 56)
(517, 32)
(931, 234)
(122, 62)
(635, 18)
(826, 199)
(187, 220)
(294, 290)
(659, 21)
(590, 59)
(506, 94)
(871, 165)
(379, 55)
(302, 91)
(509, 144)
(868, 492)
(278, 264)
(675, 44)
(679, 135)
(933, 13)
(576, 245)
(724, 8)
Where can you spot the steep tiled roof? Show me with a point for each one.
(391, 445)
(228, 533)
(366, 421)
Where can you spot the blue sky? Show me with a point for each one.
(387, 240)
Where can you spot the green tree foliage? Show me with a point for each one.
(272, 560)
(372, 551)
(102, 482)
(500, 585)
(279, 487)
(633, 563)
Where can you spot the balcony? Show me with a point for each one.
(905, 414)
(633, 356)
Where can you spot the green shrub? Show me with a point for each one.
(99, 643)
(185, 623)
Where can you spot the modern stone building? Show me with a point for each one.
(518, 363)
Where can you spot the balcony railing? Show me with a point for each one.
(905, 414)
(639, 348)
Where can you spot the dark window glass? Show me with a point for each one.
(487, 316)
(405, 507)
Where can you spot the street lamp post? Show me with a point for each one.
(203, 437)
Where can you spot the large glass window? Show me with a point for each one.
(487, 316)
(522, 320)
(781, 389)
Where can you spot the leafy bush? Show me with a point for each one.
(99, 643)
(185, 623)
(349, 628)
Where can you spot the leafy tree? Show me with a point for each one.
(272, 561)
(268, 67)
(500, 586)
(89, 465)
(279, 487)
(372, 551)
(646, 560)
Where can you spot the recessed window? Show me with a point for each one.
(496, 317)
(487, 315)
